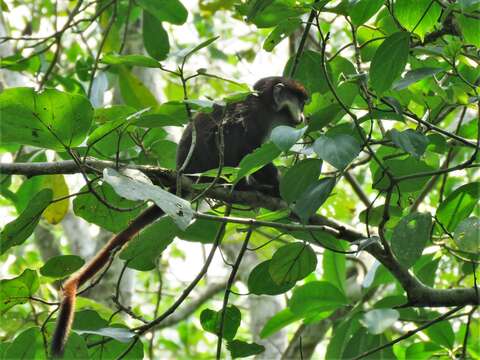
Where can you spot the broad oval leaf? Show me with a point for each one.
(155, 38)
(414, 76)
(145, 248)
(18, 230)
(410, 237)
(379, 320)
(131, 60)
(171, 113)
(56, 211)
(292, 186)
(389, 61)
(17, 290)
(27, 344)
(186, 53)
(363, 10)
(61, 266)
(467, 235)
(211, 321)
(310, 62)
(338, 150)
(316, 296)
(256, 160)
(411, 141)
(175, 207)
(286, 136)
(313, 197)
(240, 349)
(419, 16)
(91, 209)
(458, 205)
(281, 32)
(260, 281)
(117, 333)
(171, 11)
(134, 92)
(292, 262)
(49, 119)
(278, 322)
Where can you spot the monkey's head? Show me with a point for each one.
(284, 96)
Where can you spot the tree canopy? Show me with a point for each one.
(372, 248)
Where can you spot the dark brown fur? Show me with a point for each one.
(246, 126)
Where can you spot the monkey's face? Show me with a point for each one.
(285, 100)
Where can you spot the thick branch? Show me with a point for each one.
(418, 294)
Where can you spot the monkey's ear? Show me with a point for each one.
(278, 96)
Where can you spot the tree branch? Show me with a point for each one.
(418, 294)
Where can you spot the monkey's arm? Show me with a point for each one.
(67, 306)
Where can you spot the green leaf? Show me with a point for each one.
(375, 214)
(91, 209)
(292, 262)
(155, 38)
(130, 60)
(467, 235)
(143, 250)
(239, 349)
(256, 160)
(28, 344)
(310, 62)
(316, 296)
(363, 10)
(172, 113)
(379, 320)
(211, 321)
(281, 32)
(410, 237)
(61, 266)
(186, 53)
(286, 136)
(268, 13)
(334, 269)
(49, 119)
(202, 231)
(389, 61)
(292, 186)
(458, 205)
(469, 28)
(278, 322)
(260, 281)
(126, 186)
(18, 230)
(75, 348)
(17, 290)
(399, 168)
(413, 76)
(341, 334)
(313, 197)
(338, 150)
(411, 141)
(419, 16)
(442, 334)
(134, 92)
(171, 11)
(324, 109)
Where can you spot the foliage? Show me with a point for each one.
(378, 221)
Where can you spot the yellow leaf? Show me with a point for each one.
(56, 211)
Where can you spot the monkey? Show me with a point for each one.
(246, 125)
